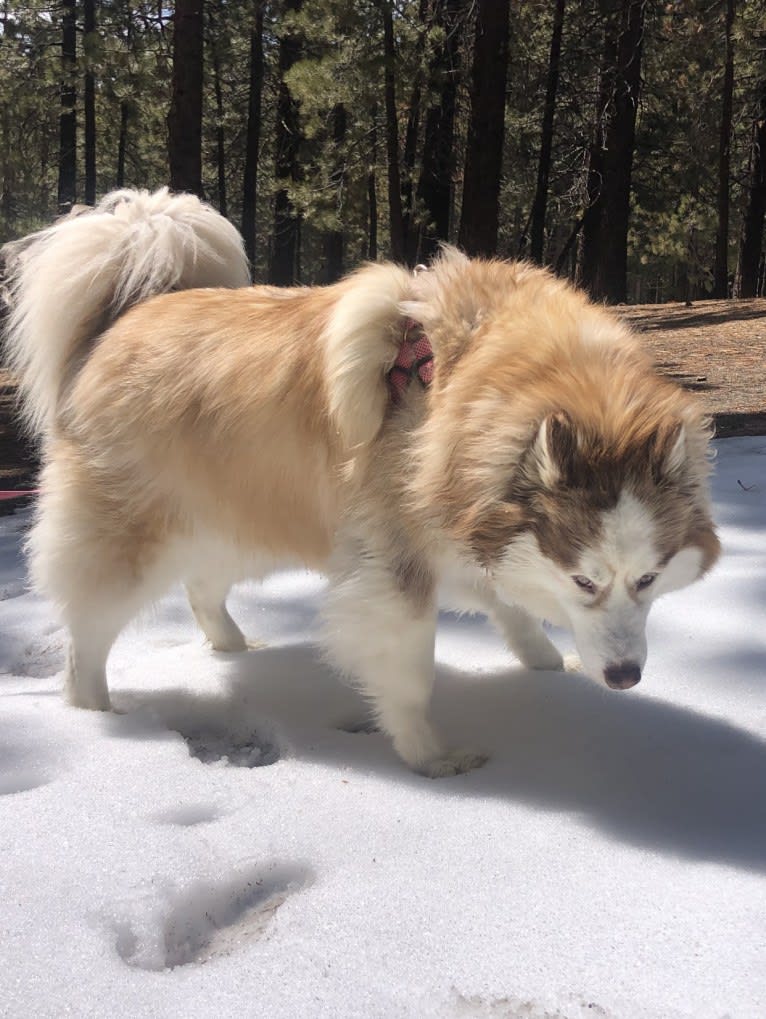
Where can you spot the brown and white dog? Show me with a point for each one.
(537, 468)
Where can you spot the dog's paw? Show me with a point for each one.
(547, 659)
(235, 644)
(453, 762)
(357, 723)
(572, 663)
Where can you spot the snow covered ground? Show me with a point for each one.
(220, 847)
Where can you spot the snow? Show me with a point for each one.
(222, 846)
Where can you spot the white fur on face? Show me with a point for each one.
(608, 626)
(683, 569)
(627, 548)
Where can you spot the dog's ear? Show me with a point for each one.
(667, 450)
(554, 449)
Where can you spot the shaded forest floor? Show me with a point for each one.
(715, 348)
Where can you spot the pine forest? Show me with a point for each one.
(620, 142)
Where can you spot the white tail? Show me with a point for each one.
(71, 281)
(361, 342)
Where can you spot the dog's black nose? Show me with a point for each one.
(623, 676)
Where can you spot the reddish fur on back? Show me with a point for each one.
(513, 346)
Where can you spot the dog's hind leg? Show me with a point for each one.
(381, 635)
(99, 565)
(92, 632)
(99, 603)
(208, 602)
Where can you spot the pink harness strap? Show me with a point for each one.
(17, 495)
(415, 360)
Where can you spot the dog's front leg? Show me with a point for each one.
(525, 636)
(379, 628)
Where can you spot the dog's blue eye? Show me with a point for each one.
(645, 581)
(585, 584)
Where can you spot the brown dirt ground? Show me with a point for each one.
(715, 348)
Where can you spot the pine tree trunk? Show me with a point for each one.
(396, 219)
(185, 117)
(250, 182)
(721, 269)
(89, 105)
(435, 185)
(125, 109)
(284, 268)
(67, 182)
(333, 240)
(751, 244)
(540, 203)
(7, 196)
(566, 250)
(589, 243)
(484, 151)
(220, 139)
(7, 203)
(372, 193)
(411, 135)
(605, 225)
(122, 142)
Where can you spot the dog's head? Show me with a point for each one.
(564, 465)
(601, 530)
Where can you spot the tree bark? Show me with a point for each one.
(333, 240)
(122, 142)
(436, 177)
(484, 151)
(89, 103)
(411, 134)
(125, 107)
(7, 204)
(396, 218)
(185, 116)
(284, 269)
(751, 244)
(220, 138)
(567, 246)
(67, 180)
(252, 145)
(372, 192)
(605, 224)
(540, 203)
(721, 268)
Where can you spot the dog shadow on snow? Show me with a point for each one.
(642, 770)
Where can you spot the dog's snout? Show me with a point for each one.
(622, 676)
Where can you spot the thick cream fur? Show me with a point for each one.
(208, 434)
(68, 282)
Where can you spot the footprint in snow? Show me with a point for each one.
(21, 780)
(355, 724)
(209, 920)
(253, 750)
(189, 815)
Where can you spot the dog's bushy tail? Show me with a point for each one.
(361, 343)
(68, 283)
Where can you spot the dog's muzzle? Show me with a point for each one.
(623, 676)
